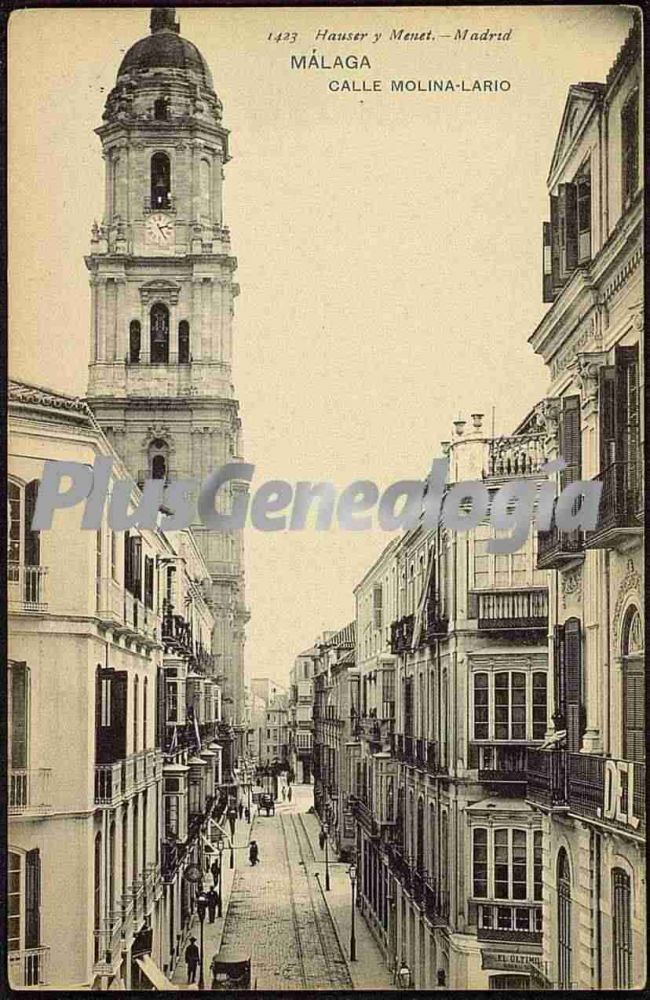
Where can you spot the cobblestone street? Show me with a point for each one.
(278, 911)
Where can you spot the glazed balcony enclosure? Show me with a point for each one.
(500, 764)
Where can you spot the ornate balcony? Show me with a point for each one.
(601, 788)
(363, 814)
(515, 456)
(498, 763)
(29, 793)
(26, 588)
(511, 610)
(435, 625)
(28, 967)
(620, 515)
(508, 921)
(176, 632)
(560, 549)
(436, 901)
(401, 634)
(546, 778)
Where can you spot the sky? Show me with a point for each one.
(388, 244)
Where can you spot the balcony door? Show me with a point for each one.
(633, 675)
(23, 918)
(564, 920)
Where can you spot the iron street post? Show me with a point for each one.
(201, 904)
(352, 872)
(327, 867)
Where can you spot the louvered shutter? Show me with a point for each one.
(110, 741)
(559, 678)
(570, 440)
(136, 566)
(127, 562)
(634, 711)
(626, 422)
(32, 898)
(556, 254)
(547, 270)
(160, 708)
(573, 671)
(607, 407)
(568, 219)
(148, 582)
(18, 677)
(32, 538)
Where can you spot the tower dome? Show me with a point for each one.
(165, 49)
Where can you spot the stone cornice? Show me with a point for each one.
(26, 394)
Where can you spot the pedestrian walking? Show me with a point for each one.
(212, 904)
(321, 840)
(192, 958)
(253, 853)
(214, 868)
(241, 809)
(247, 814)
(289, 793)
(284, 793)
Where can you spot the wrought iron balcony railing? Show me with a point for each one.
(556, 549)
(499, 762)
(29, 791)
(515, 455)
(621, 504)
(28, 967)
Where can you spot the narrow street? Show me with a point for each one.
(278, 910)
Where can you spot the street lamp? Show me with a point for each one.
(404, 976)
(220, 846)
(352, 872)
(327, 867)
(201, 904)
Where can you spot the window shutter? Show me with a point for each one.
(148, 582)
(547, 268)
(630, 147)
(626, 420)
(556, 254)
(18, 676)
(32, 898)
(110, 741)
(127, 562)
(559, 678)
(32, 538)
(160, 708)
(570, 440)
(606, 420)
(136, 566)
(573, 670)
(634, 711)
(568, 216)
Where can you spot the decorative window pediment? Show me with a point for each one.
(160, 290)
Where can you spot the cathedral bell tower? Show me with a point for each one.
(162, 290)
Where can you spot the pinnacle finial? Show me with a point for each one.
(163, 19)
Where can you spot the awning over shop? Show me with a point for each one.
(157, 978)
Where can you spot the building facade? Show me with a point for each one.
(589, 786)
(111, 702)
(163, 289)
(301, 724)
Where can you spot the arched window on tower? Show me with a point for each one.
(159, 334)
(160, 181)
(134, 341)
(159, 459)
(183, 342)
(161, 109)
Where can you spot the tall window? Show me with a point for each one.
(134, 341)
(496, 570)
(583, 198)
(14, 902)
(563, 920)
(419, 852)
(509, 705)
(506, 863)
(633, 665)
(183, 342)
(136, 840)
(622, 929)
(160, 181)
(18, 717)
(145, 708)
(111, 868)
(159, 347)
(136, 709)
(158, 458)
(630, 148)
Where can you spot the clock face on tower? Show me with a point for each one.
(160, 230)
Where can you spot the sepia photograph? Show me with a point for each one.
(325, 498)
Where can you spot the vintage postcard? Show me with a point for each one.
(325, 575)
